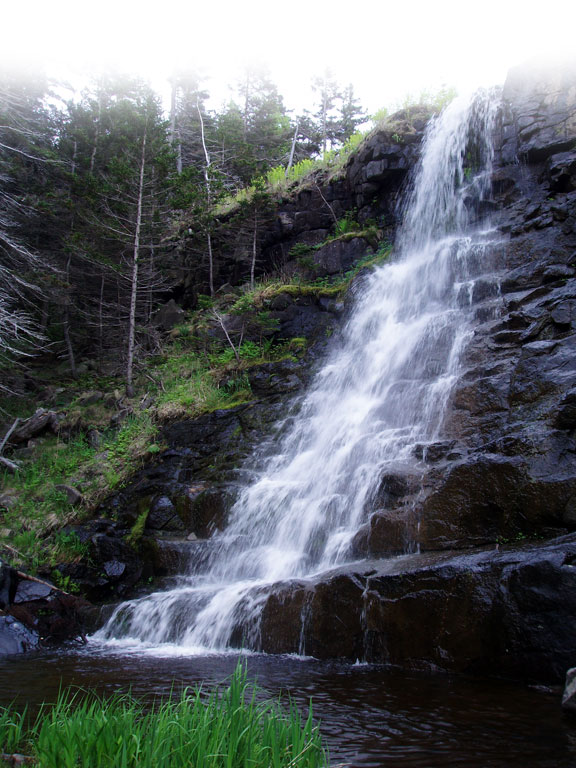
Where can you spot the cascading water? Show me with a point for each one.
(383, 389)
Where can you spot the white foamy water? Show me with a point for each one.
(383, 389)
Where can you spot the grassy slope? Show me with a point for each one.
(197, 372)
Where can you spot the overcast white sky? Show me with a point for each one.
(386, 49)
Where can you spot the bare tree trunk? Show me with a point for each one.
(292, 149)
(223, 326)
(209, 196)
(326, 203)
(150, 289)
(254, 238)
(246, 105)
(210, 264)
(101, 323)
(66, 322)
(175, 140)
(74, 153)
(69, 347)
(324, 126)
(134, 282)
(96, 135)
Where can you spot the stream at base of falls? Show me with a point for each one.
(369, 715)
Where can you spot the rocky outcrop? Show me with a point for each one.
(511, 415)
(509, 613)
(367, 189)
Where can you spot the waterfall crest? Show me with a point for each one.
(383, 389)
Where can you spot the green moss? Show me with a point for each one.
(137, 530)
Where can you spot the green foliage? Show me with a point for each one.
(68, 547)
(227, 728)
(301, 250)
(204, 302)
(65, 583)
(345, 225)
(248, 350)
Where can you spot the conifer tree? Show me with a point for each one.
(351, 114)
(329, 93)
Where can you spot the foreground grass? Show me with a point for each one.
(226, 729)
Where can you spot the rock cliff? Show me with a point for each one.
(504, 476)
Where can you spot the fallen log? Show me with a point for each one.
(35, 424)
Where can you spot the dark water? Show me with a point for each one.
(369, 716)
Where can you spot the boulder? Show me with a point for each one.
(169, 315)
(561, 170)
(163, 515)
(15, 637)
(339, 255)
(569, 693)
(73, 495)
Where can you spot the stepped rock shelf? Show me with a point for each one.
(463, 556)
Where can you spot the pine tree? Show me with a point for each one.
(254, 134)
(351, 114)
(329, 94)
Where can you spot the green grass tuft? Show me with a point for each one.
(227, 728)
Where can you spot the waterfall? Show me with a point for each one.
(383, 389)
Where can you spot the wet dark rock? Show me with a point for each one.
(339, 255)
(389, 532)
(489, 498)
(15, 637)
(8, 585)
(34, 613)
(393, 489)
(435, 452)
(569, 693)
(114, 569)
(305, 317)
(31, 590)
(566, 416)
(205, 510)
(163, 515)
(562, 172)
(487, 612)
(277, 378)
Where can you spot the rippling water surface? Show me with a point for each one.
(369, 716)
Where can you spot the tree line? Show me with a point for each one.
(89, 190)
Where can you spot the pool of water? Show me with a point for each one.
(369, 715)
